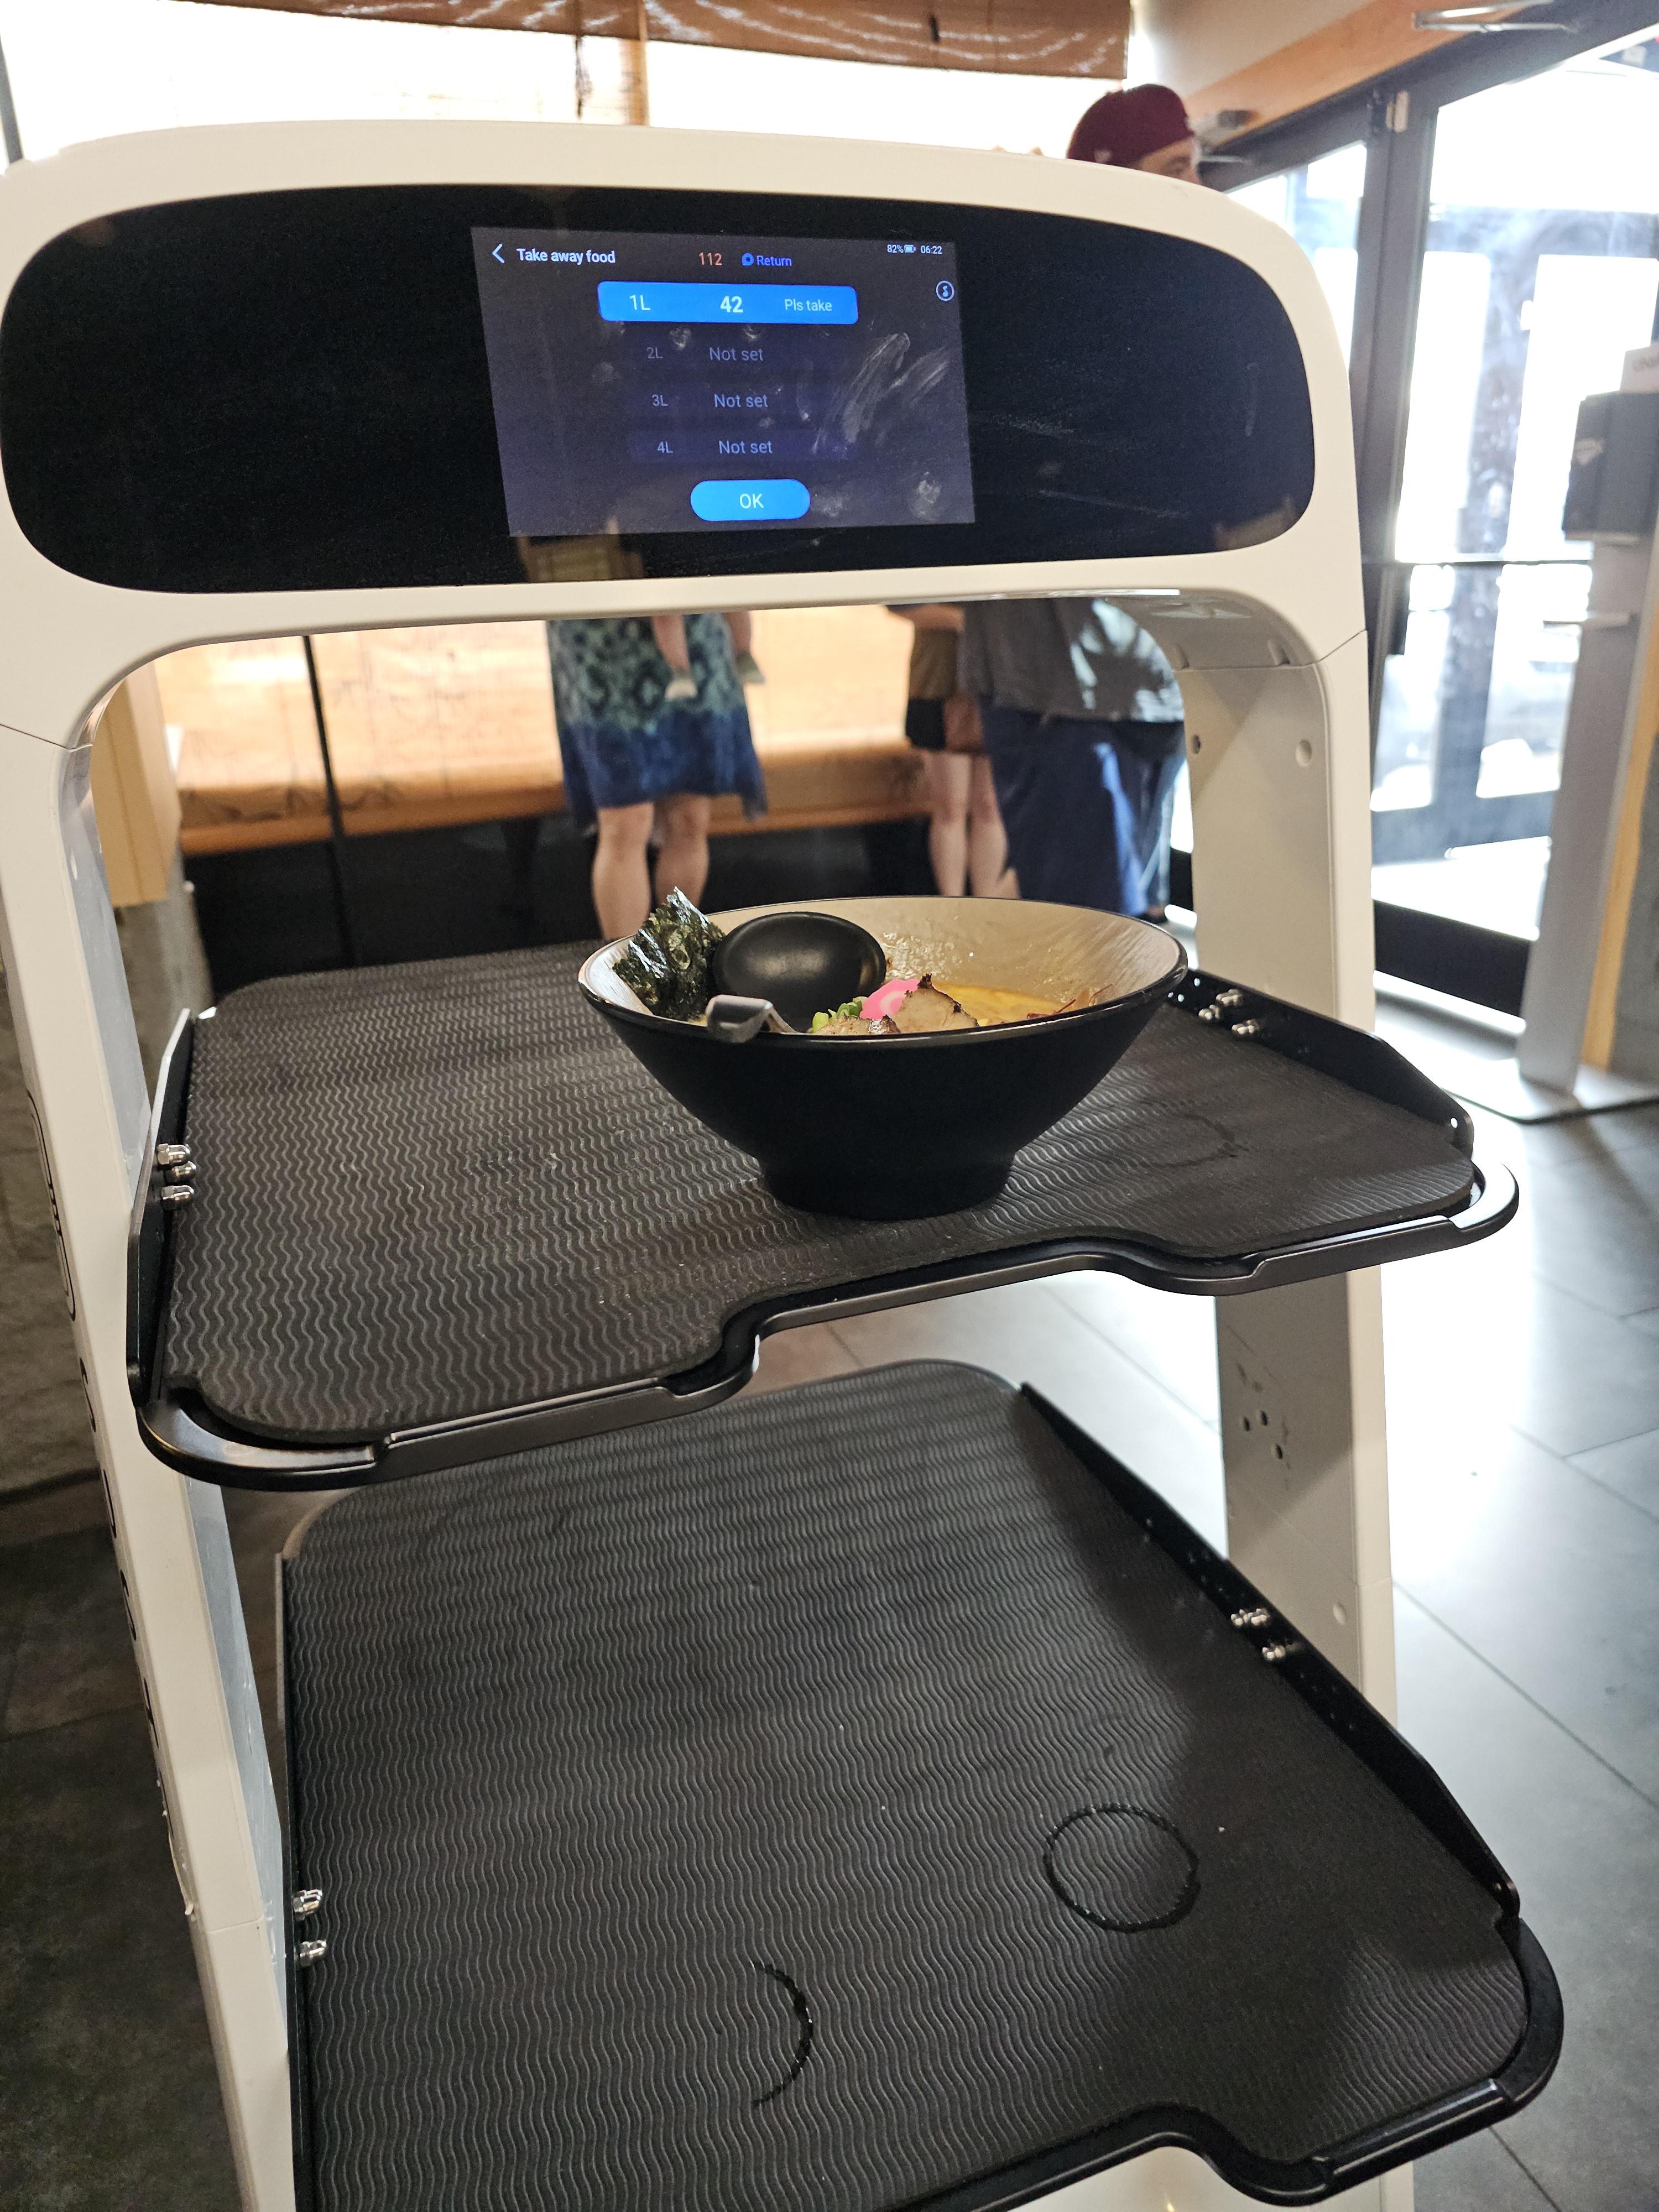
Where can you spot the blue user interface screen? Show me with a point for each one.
(645, 383)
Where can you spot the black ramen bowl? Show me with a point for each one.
(889, 1128)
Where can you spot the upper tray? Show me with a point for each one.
(869, 1795)
(441, 1213)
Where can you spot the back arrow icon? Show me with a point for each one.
(497, 254)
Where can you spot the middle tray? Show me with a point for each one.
(441, 1213)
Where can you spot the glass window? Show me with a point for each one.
(1541, 272)
(1535, 652)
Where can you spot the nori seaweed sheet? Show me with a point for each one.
(666, 964)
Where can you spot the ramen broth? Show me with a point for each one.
(990, 1006)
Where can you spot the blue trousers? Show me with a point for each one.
(1086, 806)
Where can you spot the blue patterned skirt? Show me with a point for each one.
(622, 744)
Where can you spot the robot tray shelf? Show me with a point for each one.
(868, 1794)
(440, 1214)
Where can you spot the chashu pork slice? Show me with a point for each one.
(927, 1008)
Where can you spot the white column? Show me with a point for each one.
(81, 1063)
(1281, 762)
(1281, 864)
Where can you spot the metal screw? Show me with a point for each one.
(1272, 1653)
(312, 1952)
(176, 1193)
(172, 1156)
(1253, 1616)
(1209, 1013)
(182, 1174)
(1232, 998)
(1247, 1029)
(306, 1902)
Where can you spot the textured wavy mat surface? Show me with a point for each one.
(819, 1802)
(439, 1190)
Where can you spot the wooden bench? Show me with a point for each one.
(440, 727)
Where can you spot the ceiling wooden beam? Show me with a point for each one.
(1033, 38)
(1372, 39)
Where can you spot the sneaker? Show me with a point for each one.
(680, 689)
(750, 670)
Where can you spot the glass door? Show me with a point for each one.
(1485, 223)
(1539, 271)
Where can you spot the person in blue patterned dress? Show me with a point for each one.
(635, 759)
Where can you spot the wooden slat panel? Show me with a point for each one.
(1033, 38)
(453, 721)
(831, 672)
(248, 764)
(451, 725)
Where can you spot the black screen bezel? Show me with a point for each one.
(288, 391)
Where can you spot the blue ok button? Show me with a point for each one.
(755, 499)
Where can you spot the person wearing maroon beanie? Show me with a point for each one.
(1144, 128)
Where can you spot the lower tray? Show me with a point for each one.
(867, 1796)
(441, 1213)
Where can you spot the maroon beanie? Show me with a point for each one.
(1124, 127)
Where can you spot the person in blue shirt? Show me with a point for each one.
(1082, 718)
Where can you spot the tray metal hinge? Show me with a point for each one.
(1261, 1616)
(1226, 1003)
(304, 1903)
(176, 1169)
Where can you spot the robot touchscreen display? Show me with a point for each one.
(650, 383)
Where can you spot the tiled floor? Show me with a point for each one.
(1524, 1403)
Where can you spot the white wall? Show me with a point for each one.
(694, 87)
(1191, 43)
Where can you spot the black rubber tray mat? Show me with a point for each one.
(431, 1191)
(840, 1800)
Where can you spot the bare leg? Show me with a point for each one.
(989, 872)
(621, 881)
(741, 627)
(668, 632)
(683, 854)
(948, 784)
